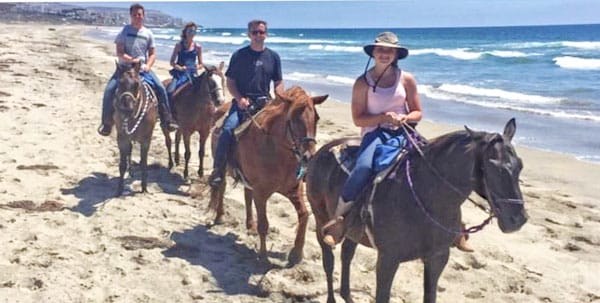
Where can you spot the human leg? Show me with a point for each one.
(357, 180)
(164, 109)
(224, 144)
(107, 106)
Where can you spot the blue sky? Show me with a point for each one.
(382, 14)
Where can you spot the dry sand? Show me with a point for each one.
(64, 238)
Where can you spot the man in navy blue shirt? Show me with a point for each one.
(249, 75)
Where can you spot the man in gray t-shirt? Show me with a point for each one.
(135, 44)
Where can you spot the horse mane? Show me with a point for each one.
(293, 100)
(447, 143)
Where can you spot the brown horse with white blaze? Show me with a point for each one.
(269, 154)
(135, 115)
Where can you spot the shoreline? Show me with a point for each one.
(541, 131)
(67, 239)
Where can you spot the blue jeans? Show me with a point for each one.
(109, 93)
(235, 117)
(111, 88)
(363, 170)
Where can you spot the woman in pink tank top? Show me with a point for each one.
(383, 98)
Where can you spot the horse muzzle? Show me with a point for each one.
(511, 214)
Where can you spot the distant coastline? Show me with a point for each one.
(58, 13)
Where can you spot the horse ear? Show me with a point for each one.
(283, 97)
(510, 129)
(137, 67)
(470, 132)
(319, 99)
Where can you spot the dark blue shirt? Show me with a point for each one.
(253, 71)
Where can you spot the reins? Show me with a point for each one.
(469, 230)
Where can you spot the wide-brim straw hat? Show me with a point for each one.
(387, 39)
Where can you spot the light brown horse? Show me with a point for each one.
(194, 106)
(135, 115)
(415, 214)
(269, 154)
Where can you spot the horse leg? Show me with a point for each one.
(168, 145)
(129, 166)
(387, 264)
(296, 254)
(187, 154)
(260, 202)
(348, 250)
(250, 222)
(434, 266)
(177, 140)
(144, 147)
(216, 202)
(124, 154)
(201, 148)
(328, 260)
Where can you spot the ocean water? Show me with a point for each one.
(545, 76)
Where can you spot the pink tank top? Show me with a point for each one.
(385, 99)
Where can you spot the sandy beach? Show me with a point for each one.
(65, 238)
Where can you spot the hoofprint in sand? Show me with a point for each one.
(64, 238)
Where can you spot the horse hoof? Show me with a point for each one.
(251, 229)
(263, 257)
(218, 221)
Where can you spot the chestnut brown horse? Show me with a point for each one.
(269, 154)
(415, 214)
(194, 105)
(135, 114)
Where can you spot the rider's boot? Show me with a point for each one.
(104, 129)
(461, 241)
(333, 231)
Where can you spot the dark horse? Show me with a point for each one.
(135, 115)
(269, 154)
(194, 107)
(416, 212)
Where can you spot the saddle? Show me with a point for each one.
(360, 216)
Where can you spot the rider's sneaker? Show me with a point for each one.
(104, 129)
(215, 179)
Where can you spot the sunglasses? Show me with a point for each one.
(258, 32)
(190, 31)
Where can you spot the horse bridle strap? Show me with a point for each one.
(434, 170)
(139, 116)
(469, 230)
(296, 141)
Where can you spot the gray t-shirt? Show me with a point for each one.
(137, 41)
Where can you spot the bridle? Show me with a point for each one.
(296, 146)
(469, 230)
(141, 110)
(297, 143)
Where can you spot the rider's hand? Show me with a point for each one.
(243, 103)
(145, 68)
